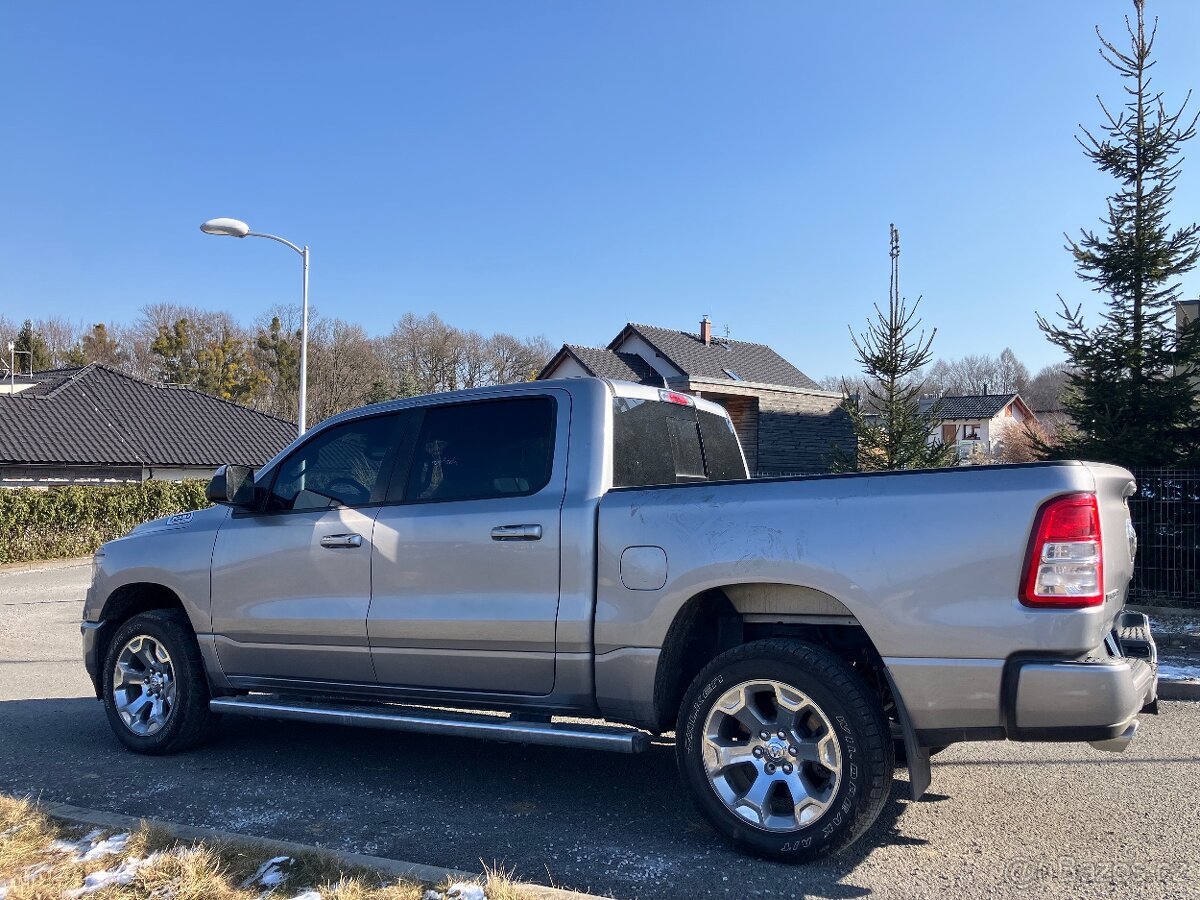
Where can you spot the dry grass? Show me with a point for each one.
(32, 869)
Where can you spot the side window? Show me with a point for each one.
(476, 451)
(339, 467)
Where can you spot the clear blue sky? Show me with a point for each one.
(561, 168)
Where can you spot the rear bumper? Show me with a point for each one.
(1096, 698)
(1034, 697)
(1072, 700)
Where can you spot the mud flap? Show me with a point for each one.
(919, 774)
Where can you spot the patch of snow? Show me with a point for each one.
(465, 890)
(3, 890)
(90, 847)
(1182, 672)
(271, 873)
(122, 874)
(431, 894)
(309, 894)
(106, 847)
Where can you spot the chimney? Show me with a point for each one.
(985, 390)
(706, 331)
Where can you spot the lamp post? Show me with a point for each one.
(235, 228)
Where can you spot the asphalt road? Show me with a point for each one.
(1001, 819)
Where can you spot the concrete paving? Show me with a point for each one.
(1001, 819)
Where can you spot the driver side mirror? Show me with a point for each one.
(231, 486)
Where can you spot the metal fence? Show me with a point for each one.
(1166, 515)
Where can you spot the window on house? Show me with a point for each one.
(732, 374)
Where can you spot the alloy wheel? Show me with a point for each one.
(772, 755)
(144, 685)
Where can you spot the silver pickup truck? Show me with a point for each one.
(584, 563)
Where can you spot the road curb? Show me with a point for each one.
(1179, 690)
(431, 875)
(39, 565)
(1165, 612)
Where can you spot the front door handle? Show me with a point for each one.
(334, 541)
(517, 533)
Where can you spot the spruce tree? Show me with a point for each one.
(31, 346)
(1130, 385)
(892, 431)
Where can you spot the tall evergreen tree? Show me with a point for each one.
(31, 341)
(225, 369)
(1130, 389)
(174, 346)
(278, 353)
(892, 431)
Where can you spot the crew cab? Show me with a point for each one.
(585, 563)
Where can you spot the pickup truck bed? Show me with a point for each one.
(925, 563)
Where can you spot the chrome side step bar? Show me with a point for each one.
(428, 721)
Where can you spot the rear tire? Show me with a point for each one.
(785, 750)
(155, 690)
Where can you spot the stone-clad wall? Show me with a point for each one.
(743, 412)
(795, 432)
(798, 433)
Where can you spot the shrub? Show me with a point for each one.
(73, 520)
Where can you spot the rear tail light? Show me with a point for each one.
(1065, 565)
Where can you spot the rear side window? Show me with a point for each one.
(477, 451)
(666, 443)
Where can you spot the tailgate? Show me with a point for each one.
(1114, 487)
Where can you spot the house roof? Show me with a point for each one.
(722, 359)
(609, 364)
(95, 415)
(971, 406)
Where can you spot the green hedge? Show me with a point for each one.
(73, 520)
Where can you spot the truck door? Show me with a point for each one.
(466, 552)
(291, 579)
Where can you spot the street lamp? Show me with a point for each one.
(235, 228)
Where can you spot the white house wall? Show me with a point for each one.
(568, 368)
(635, 344)
(14, 476)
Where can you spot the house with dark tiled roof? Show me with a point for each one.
(785, 422)
(976, 423)
(94, 424)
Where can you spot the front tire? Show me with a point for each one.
(785, 750)
(155, 691)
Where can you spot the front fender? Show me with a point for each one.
(173, 553)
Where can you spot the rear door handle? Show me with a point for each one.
(334, 541)
(517, 533)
